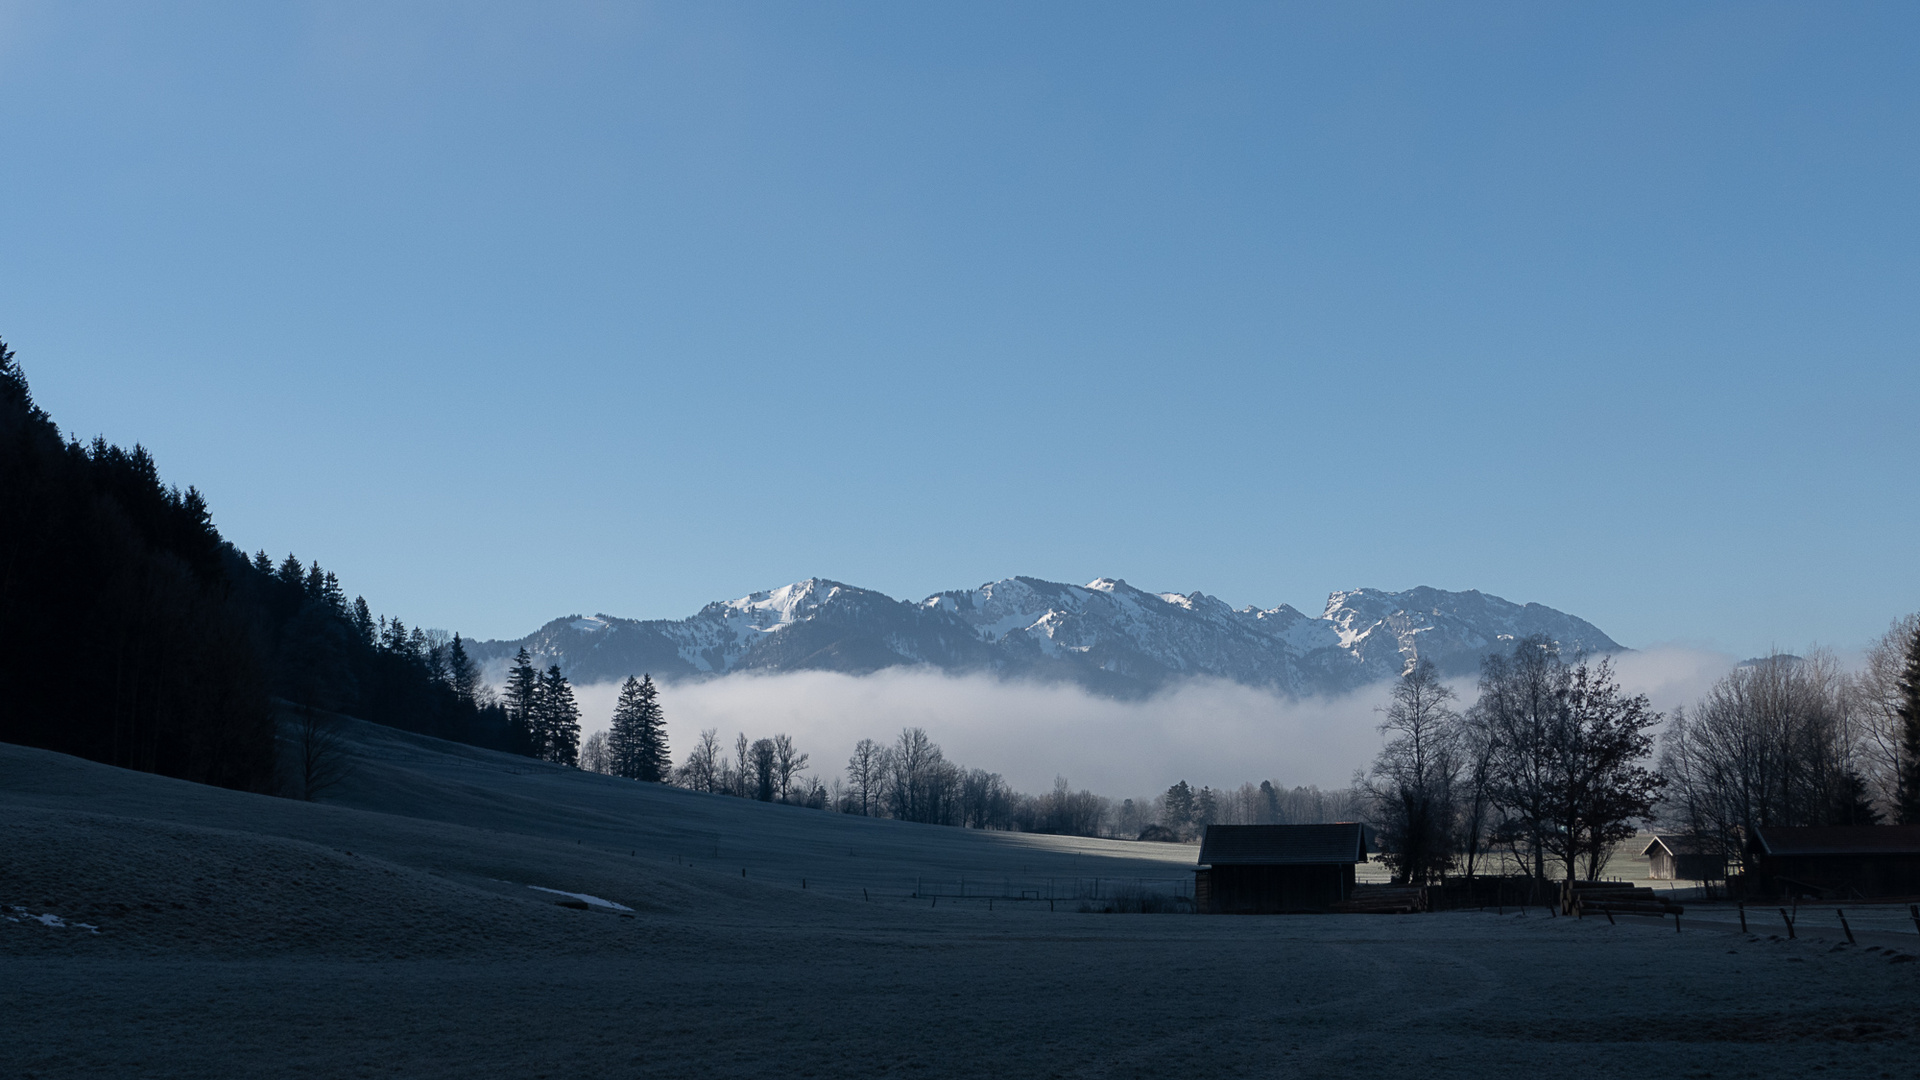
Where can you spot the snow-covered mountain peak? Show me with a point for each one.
(1107, 635)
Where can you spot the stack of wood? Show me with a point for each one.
(1384, 900)
(1617, 897)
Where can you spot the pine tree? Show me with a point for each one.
(637, 742)
(523, 705)
(1206, 807)
(1179, 806)
(362, 619)
(462, 675)
(623, 737)
(1908, 709)
(263, 562)
(332, 595)
(655, 761)
(559, 719)
(292, 574)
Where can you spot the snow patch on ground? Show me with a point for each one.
(20, 914)
(583, 898)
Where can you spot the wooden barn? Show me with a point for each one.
(1685, 858)
(1842, 862)
(1275, 869)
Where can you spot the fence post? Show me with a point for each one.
(1789, 921)
(1844, 926)
(1743, 916)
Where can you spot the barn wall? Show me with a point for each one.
(1273, 890)
(1700, 868)
(1871, 875)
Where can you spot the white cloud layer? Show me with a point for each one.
(1204, 731)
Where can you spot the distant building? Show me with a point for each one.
(1842, 862)
(1275, 869)
(1685, 858)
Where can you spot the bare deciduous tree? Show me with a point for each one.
(594, 755)
(705, 764)
(788, 764)
(1770, 744)
(320, 752)
(866, 773)
(1410, 786)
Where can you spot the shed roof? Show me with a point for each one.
(1838, 840)
(1283, 845)
(1677, 844)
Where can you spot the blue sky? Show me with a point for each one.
(510, 312)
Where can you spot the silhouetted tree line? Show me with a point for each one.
(333, 654)
(909, 780)
(132, 633)
(1183, 812)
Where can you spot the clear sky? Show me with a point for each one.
(510, 312)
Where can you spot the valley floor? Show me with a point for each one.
(392, 932)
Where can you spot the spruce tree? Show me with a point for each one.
(637, 742)
(462, 675)
(362, 619)
(523, 705)
(1908, 709)
(655, 761)
(623, 737)
(263, 562)
(333, 595)
(1179, 806)
(559, 719)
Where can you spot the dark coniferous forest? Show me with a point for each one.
(131, 633)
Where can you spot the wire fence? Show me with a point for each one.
(1051, 889)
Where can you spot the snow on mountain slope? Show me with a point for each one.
(1106, 635)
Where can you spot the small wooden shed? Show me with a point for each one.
(1685, 858)
(1275, 869)
(1859, 862)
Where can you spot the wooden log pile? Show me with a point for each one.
(1384, 900)
(1618, 897)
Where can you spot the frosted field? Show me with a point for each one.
(412, 927)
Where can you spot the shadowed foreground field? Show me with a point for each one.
(392, 932)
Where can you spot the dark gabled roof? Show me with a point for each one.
(1838, 840)
(1283, 845)
(1676, 844)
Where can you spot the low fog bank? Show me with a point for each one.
(1205, 731)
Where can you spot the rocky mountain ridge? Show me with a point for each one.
(1106, 635)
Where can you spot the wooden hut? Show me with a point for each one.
(1845, 862)
(1271, 869)
(1685, 858)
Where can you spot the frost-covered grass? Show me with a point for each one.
(395, 932)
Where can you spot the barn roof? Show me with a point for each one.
(1674, 844)
(1838, 840)
(1283, 845)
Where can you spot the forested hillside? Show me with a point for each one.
(132, 633)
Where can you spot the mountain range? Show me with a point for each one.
(1106, 635)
